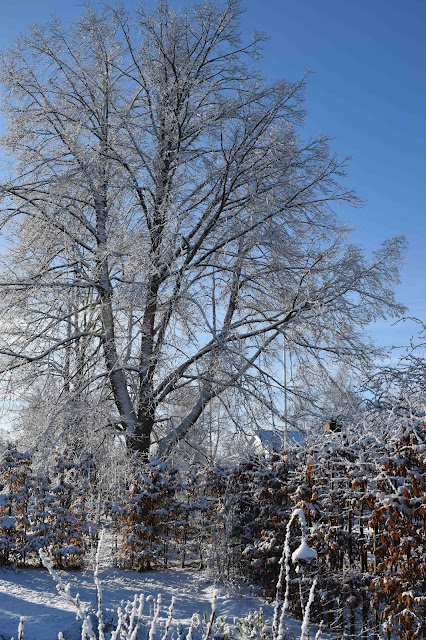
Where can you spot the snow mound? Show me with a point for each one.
(303, 553)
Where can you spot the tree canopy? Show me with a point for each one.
(163, 224)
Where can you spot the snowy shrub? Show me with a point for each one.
(15, 470)
(191, 509)
(146, 515)
(66, 514)
(399, 523)
(44, 511)
(42, 534)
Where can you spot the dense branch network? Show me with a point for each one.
(164, 224)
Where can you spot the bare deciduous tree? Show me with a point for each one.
(163, 224)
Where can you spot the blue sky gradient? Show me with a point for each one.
(367, 89)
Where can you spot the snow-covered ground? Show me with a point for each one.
(31, 593)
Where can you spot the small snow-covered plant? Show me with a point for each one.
(20, 630)
(303, 554)
(212, 618)
(305, 623)
(129, 620)
(253, 626)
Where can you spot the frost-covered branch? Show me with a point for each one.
(64, 589)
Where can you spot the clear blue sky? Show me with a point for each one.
(368, 89)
